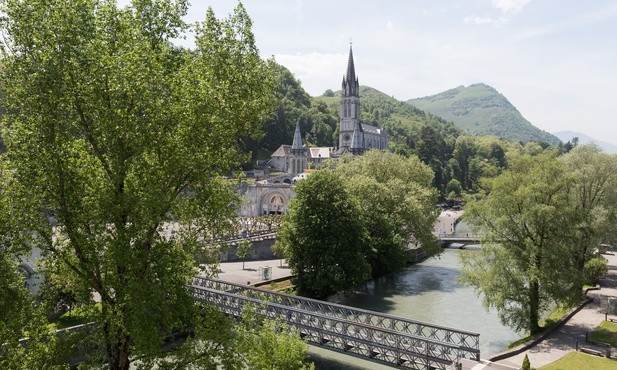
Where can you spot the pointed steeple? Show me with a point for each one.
(351, 70)
(351, 87)
(297, 143)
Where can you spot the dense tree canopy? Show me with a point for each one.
(357, 219)
(323, 238)
(396, 205)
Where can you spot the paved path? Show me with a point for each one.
(233, 272)
(562, 341)
(445, 222)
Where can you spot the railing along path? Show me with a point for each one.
(362, 333)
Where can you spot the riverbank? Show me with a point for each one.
(572, 333)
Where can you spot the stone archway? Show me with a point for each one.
(274, 203)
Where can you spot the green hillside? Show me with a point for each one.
(402, 121)
(481, 110)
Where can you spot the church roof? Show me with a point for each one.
(283, 151)
(320, 152)
(371, 129)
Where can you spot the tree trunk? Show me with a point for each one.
(534, 304)
(117, 345)
(118, 354)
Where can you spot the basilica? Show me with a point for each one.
(272, 194)
(355, 137)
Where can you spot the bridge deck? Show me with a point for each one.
(367, 334)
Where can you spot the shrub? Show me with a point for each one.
(594, 269)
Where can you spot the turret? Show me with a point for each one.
(296, 147)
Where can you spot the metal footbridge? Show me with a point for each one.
(370, 335)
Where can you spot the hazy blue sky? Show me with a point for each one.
(554, 60)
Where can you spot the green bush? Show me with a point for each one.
(594, 269)
(526, 365)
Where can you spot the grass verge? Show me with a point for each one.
(285, 286)
(76, 316)
(606, 332)
(579, 361)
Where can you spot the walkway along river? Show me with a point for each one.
(427, 291)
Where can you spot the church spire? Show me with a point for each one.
(351, 87)
(297, 143)
(351, 70)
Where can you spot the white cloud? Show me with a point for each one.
(299, 11)
(390, 26)
(510, 6)
(317, 71)
(473, 19)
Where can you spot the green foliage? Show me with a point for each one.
(243, 250)
(454, 188)
(528, 223)
(270, 344)
(526, 365)
(480, 110)
(323, 238)
(112, 133)
(594, 269)
(396, 206)
(593, 193)
(359, 217)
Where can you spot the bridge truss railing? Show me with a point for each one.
(376, 344)
(467, 344)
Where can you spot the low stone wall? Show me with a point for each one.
(260, 250)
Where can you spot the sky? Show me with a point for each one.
(555, 61)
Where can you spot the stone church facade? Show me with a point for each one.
(354, 136)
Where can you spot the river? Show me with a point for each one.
(429, 292)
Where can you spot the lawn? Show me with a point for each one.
(606, 332)
(77, 316)
(581, 361)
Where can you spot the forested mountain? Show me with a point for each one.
(481, 110)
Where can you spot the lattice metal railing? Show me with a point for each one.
(363, 333)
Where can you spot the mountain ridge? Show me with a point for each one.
(480, 109)
(586, 139)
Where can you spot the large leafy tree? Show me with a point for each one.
(396, 205)
(594, 176)
(111, 133)
(526, 260)
(323, 237)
